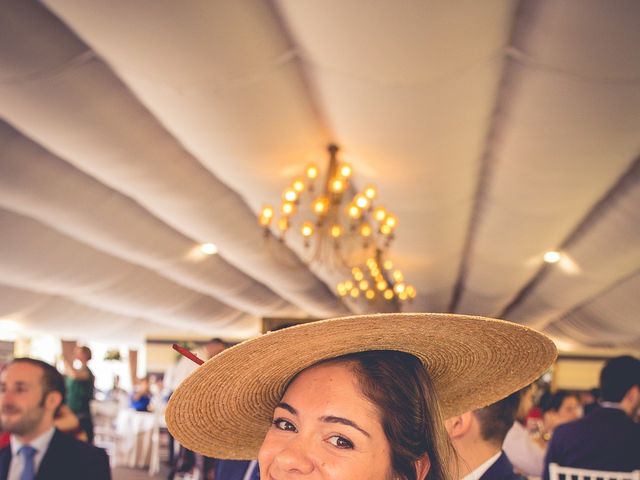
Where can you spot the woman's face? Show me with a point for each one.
(569, 410)
(324, 428)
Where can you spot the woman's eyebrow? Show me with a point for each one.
(344, 421)
(287, 407)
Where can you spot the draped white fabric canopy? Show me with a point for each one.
(131, 132)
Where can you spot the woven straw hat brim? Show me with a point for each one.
(224, 408)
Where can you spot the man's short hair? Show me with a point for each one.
(618, 376)
(497, 419)
(52, 379)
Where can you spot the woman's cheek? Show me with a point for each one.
(265, 455)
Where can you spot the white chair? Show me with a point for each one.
(105, 435)
(556, 472)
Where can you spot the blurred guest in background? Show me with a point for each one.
(80, 388)
(525, 448)
(118, 394)
(558, 408)
(607, 438)
(141, 396)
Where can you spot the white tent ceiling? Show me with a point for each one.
(495, 130)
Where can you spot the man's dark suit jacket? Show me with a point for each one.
(501, 470)
(231, 469)
(606, 439)
(66, 458)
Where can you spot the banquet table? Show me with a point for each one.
(139, 439)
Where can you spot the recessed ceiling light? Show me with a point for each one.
(209, 248)
(552, 256)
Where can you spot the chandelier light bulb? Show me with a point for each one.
(391, 221)
(380, 214)
(321, 206)
(388, 264)
(298, 185)
(345, 170)
(357, 274)
(312, 172)
(388, 294)
(337, 185)
(397, 276)
(355, 293)
(370, 192)
(354, 212)
(283, 224)
(287, 208)
(307, 229)
(361, 201)
(365, 230)
(348, 284)
(403, 295)
(381, 285)
(385, 229)
(399, 288)
(364, 285)
(336, 231)
(264, 221)
(411, 291)
(370, 294)
(290, 195)
(267, 212)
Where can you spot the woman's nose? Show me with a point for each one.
(294, 457)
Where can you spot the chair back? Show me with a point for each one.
(556, 472)
(104, 427)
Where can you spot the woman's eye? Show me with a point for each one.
(340, 442)
(282, 424)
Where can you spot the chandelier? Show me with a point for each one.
(341, 229)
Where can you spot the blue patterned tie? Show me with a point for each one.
(29, 471)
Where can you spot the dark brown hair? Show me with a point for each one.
(52, 380)
(400, 387)
(496, 419)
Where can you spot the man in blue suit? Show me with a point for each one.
(607, 438)
(478, 436)
(31, 392)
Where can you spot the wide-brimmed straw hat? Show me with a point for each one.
(224, 408)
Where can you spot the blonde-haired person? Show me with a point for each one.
(359, 397)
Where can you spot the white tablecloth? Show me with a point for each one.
(138, 439)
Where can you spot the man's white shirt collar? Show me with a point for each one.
(478, 472)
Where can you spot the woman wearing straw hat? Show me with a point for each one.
(359, 397)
